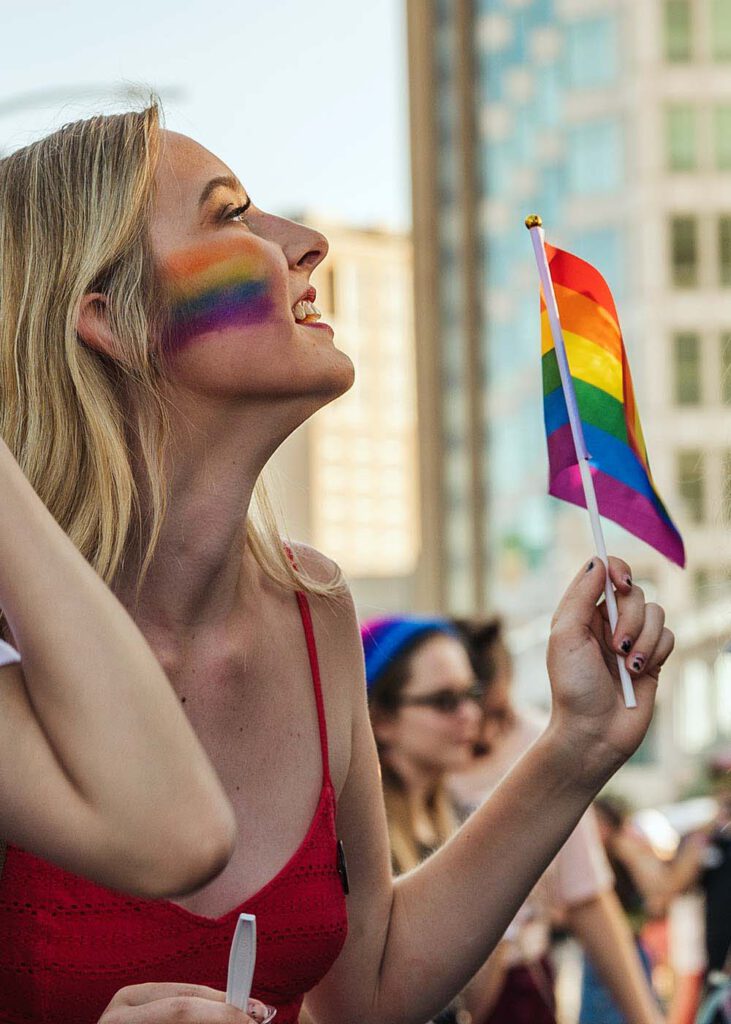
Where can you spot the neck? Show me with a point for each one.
(200, 568)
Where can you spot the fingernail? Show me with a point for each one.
(628, 580)
(638, 662)
(590, 566)
(626, 645)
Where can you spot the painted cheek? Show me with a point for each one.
(216, 287)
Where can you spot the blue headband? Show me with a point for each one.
(384, 639)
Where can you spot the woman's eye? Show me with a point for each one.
(238, 213)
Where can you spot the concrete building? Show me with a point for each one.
(348, 480)
(612, 119)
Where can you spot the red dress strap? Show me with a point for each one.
(306, 616)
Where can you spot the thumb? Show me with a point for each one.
(580, 598)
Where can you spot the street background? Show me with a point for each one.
(417, 137)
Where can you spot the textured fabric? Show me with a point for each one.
(526, 996)
(8, 654)
(67, 945)
(384, 639)
(579, 872)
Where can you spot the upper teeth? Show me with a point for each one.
(306, 310)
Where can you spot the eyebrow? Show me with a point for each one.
(223, 181)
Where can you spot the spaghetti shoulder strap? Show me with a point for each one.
(306, 616)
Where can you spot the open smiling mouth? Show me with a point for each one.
(306, 312)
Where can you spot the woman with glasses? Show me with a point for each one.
(424, 703)
(578, 887)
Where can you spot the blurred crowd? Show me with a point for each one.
(653, 924)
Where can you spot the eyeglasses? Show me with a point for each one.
(445, 701)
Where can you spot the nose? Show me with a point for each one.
(303, 247)
(469, 713)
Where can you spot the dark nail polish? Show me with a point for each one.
(638, 662)
(628, 580)
(590, 566)
(626, 645)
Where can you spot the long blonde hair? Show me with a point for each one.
(74, 210)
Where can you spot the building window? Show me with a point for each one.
(596, 157)
(722, 137)
(585, 39)
(726, 485)
(721, 29)
(680, 127)
(691, 484)
(693, 707)
(726, 368)
(684, 250)
(678, 30)
(687, 364)
(701, 586)
(724, 250)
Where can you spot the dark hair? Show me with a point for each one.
(613, 809)
(481, 637)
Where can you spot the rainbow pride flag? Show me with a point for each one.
(607, 408)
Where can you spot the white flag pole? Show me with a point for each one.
(535, 227)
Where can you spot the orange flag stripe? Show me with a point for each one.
(580, 315)
(572, 272)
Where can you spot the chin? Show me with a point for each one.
(331, 380)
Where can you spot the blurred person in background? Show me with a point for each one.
(643, 888)
(703, 863)
(424, 703)
(578, 886)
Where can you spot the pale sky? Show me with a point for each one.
(305, 99)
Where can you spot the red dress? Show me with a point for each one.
(67, 945)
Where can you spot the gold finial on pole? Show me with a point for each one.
(533, 221)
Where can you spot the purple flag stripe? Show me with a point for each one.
(624, 506)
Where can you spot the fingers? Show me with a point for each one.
(642, 649)
(172, 1003)
(177, 1009)
(620, 574)
(138, 995)
(632, 614)
(579, 601)
(662, 652)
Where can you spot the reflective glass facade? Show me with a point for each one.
(536, 156)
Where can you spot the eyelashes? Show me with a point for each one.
(237, 211)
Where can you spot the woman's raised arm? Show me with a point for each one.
(414, 944)
(100, 771)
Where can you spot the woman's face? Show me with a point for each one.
(238, 284)
(421, 732)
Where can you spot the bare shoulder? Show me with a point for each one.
(340, 654)
(335, 613)
(315, 563)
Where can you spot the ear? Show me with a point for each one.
(92, 324)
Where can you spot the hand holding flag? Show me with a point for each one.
(597, 453)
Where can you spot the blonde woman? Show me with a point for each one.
(159, 342)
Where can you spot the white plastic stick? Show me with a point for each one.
(241, 961)
(582, 455)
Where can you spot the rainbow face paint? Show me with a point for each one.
(213, 288)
